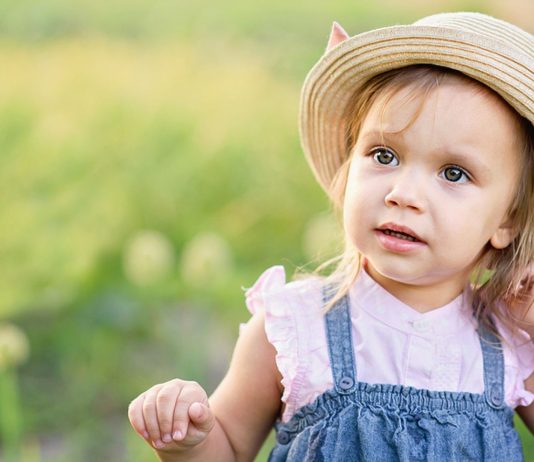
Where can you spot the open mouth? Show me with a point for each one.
(399, 235)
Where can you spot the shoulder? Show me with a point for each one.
(292, 312)
(272, 293)
(518, 350)
(294, 325)
(518, 345)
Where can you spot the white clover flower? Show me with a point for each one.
(148, 257)
(322, 237)
(206, 258)
(14, 346)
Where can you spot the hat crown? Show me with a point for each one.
(485, 26)
(493, 52)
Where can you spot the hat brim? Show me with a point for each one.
(333, 81)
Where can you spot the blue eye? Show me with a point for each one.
(384, 156)
(454, 174)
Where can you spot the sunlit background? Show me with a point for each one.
(150, 169)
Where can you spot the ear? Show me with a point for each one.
(504, 235)
(337, 35)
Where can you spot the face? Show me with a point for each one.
(447, 175)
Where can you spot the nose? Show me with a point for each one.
(406, 192)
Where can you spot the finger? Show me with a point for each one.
(150, 416)
(201, 417)
(165, 404)
(135, 414)
(189, 394)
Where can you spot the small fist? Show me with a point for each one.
(172, 416)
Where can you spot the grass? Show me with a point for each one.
(168, 117)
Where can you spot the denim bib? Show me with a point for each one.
(357, 421)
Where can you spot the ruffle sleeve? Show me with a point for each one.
(519, 365)
(291, 318)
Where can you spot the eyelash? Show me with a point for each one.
(374, 151)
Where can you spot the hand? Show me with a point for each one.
(172, 416)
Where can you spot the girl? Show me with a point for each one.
(417, 346)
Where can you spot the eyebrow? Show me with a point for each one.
(454, 157)
(379, 133)
(476, 167)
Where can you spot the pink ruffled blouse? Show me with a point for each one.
(393, 343)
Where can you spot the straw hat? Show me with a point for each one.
(494, 52)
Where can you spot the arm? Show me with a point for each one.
(232, 424)
(527, 412)
(247, 402)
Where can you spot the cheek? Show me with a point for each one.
(349, 212)
(464, 228)
(352, 200)
(358, 208)
(365, 193)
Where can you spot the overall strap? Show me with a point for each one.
(339, 337)
(493, 358)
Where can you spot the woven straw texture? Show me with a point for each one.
(496, 53)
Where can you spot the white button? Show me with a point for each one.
(422, 325)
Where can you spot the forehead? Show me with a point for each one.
(454, 112)
(453, 122)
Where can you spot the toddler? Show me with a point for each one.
(417, 344)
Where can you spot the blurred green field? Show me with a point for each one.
(151, 169)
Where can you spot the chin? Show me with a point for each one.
(400, 275)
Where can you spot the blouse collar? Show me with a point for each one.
(448, 319)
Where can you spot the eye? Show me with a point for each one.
(454, 174)
(384, 156)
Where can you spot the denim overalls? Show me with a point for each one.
(358, 421)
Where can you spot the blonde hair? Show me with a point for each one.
(498, 274)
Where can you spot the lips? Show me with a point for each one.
(400, 229)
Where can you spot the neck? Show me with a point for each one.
(422, 298)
